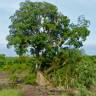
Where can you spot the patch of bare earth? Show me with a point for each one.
(4, 82)
(29, 90)
(41, 90)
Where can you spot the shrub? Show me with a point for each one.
(85, 71)
(77, 71)
(30, 79)
(2, 60)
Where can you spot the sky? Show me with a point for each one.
(71, 8)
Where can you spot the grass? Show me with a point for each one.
(9, 92)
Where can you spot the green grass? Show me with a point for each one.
(9, 92)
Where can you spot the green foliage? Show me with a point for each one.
(71, 69)
(82, 92)
(2, 60)
(21, 69)
(63, 67)
(22, 73)
(86, 71)
(38, 25)
(68, 68)
(30, 79)
(86, 92)
(9, 92)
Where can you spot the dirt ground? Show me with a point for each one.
(30, 90)
(36, 90)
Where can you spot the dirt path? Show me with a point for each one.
(29, 90)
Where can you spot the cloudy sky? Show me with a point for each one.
(70, 8)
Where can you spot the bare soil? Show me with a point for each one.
(36, 90)
(30, 90)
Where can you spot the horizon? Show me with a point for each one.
(88, 50)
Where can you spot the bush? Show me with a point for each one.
(2, 60)
(30, 79)
(77, 71)
(22, 73)
(64, 64)
(85, 71)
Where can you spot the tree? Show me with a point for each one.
(39, 26)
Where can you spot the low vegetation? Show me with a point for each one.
(78, 75)
(9, 92)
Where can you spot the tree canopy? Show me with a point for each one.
(40, 27)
